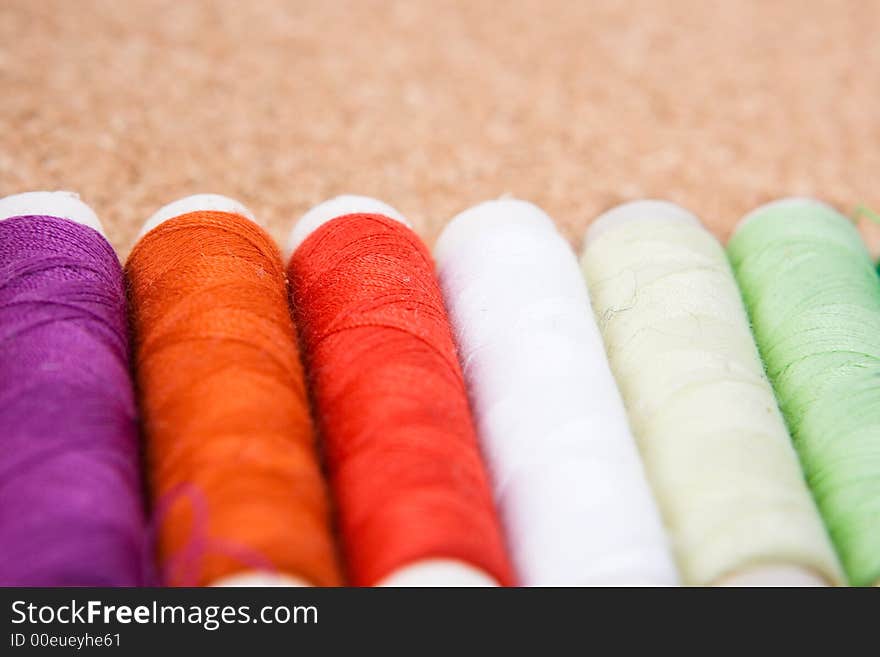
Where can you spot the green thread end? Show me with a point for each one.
(863, 211)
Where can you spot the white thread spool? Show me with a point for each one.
(426, 572)
(714, 442)
(566, 472)
(218, 203)
(65, 205)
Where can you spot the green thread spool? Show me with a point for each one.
(813, 296)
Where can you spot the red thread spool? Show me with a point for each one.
(400, 445)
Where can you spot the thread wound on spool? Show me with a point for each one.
(336, 207)
(565, 470)
(400, 447)
(72, 513)
(715, 445)
(813, 296)
(232, 456)
(61, 205)
(196, 203)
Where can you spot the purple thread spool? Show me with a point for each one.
(71, 504)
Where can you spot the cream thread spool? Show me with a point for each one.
(715, 444)
(425, 572)
(218, 203)
(566, 472)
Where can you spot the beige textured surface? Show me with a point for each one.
(433, 106)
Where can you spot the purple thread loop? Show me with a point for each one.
(183, 566)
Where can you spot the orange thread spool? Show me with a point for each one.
(401, 448)
(233, 465)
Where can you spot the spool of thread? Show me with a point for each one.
(413, 499)
(566, 472)
(71, 512)
(715, 445)
(238, 492)
(814, 300)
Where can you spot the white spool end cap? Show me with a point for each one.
(336, 207)
(260, 578)
(196, 203)
(66, 205)
(791, 203)
(637, 211)
(438, 572)
(499, 214)
(774, 575)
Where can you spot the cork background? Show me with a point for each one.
(434, 105)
